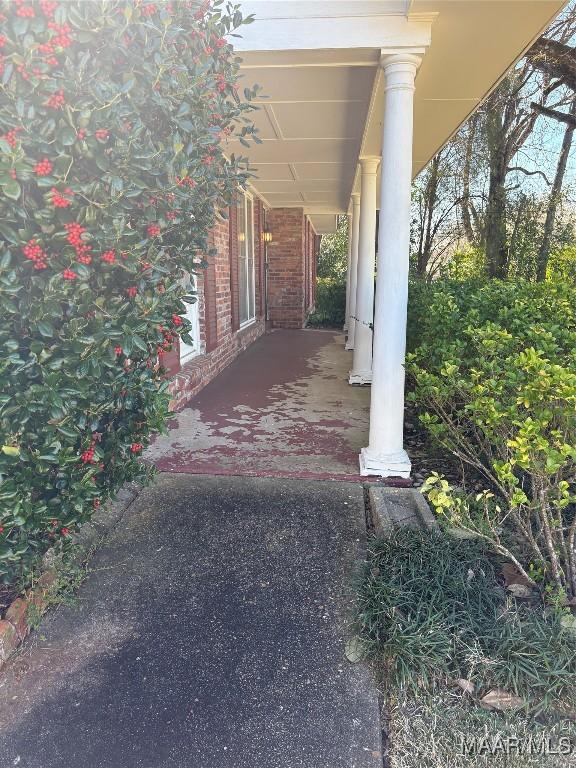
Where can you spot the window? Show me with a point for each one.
(246, 259)
(188, 351)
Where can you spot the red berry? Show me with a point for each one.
(56, 100)
(153, 230)
(68, 274)
(109, 257)
(58, 199)
(43, 168)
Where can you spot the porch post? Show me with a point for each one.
(347, 312)
(385, 454)
(355, 227)
(361, 372)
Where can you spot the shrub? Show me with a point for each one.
(494, 374)
(112, 119)
(432, 610)
(330, 303)
(333, 256)
(562, 264)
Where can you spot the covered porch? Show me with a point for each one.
(357, 97)
(283, 409)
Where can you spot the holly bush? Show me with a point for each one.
(114, 120)
(494, 374)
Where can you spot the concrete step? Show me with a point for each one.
(393, 508)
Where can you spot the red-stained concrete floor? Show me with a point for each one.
(282, 409)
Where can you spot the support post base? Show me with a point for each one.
(392, 465)
(360, 377)
(349, 346)
(345, 327)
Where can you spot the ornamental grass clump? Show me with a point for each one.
(493, 372)
(432, 611)
(114, 118)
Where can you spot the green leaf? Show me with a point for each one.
(67, 136)
(12, 189)
(45, 329)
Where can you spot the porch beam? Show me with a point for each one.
(385, 455)
(282, 26)
(361, 372)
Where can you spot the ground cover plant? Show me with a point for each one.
(114, 117)
(492, 371)
(432, 610)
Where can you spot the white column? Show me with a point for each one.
(355, 226)
(361, 372)
(347, 312)
(385, 454)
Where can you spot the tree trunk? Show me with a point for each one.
(430, 204)
(544, 250)
(495, 221)
(466, 172)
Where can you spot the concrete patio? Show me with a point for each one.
(284, 408)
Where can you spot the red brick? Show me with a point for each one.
(9, 640)
(16, 615)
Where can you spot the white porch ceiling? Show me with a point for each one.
(317, 63)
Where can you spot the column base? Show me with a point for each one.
(345, 327)
(349, 346)
(360, 377)
(392, 465)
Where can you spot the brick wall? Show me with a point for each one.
(291, 267)
(220, 337)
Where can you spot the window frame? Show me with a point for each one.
(186, 351)
(245, 205)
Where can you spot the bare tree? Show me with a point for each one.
(508, 123)
(555, 194)
(436, 227)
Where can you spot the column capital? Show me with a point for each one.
(399, 70)
(369, 165)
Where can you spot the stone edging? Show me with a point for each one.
(393, 508)
(15, 625)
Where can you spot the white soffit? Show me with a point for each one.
(322, 105)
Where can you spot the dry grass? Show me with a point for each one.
(433, 730)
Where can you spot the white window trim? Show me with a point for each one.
(248, 196)
(188, 353)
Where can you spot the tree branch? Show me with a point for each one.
(562, 117)
(529, 173)
(554, 59)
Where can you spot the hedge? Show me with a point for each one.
(493, 371)
(114, 119)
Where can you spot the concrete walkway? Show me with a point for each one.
(209, 634)
(284, 408)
